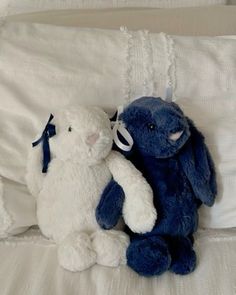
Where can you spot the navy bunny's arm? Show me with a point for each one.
(198, 166)
(109, 209)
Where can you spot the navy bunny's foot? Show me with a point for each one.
(183, 257)
(148, 256)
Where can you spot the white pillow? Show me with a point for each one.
(203, 67)
(216, 118)
(11, 7)
(17, 208)
(46, 67)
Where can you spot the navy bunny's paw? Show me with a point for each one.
(182, 255)
(109, 209)
(105, 222)
(205, 195)
(148, 256)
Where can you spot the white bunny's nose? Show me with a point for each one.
(92, 138)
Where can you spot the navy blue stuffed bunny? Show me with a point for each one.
(171, 153)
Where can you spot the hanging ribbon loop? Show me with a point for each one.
(169, 94)
(119, 127)
(48, 132)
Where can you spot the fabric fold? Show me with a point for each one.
(11, 7)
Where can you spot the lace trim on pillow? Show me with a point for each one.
(148, 83)
(150, 65)
(139, 73)
(128, 69)
(171, 72)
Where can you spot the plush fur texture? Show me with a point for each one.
(110, 205)
(172, 155)
(81, 166)
(138, 209)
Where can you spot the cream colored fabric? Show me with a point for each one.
(195, 73)
(20, 207)
(11, 7)
(29, 267)
(210, 21)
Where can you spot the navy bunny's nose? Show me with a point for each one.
(175, 136)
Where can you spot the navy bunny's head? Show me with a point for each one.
(161, 130)
(158, 128)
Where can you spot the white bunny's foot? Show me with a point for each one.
(75, 253)
(110, 247)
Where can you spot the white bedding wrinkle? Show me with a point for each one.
(5, 218)
(11, 7)
(17, 208)
(29, 266)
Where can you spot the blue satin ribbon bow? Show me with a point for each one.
(48, 132)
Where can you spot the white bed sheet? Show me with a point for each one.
(29, 267)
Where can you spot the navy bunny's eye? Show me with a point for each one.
(70, 129)
(151, 126)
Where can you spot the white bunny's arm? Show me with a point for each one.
(138, 211)
(34, 176)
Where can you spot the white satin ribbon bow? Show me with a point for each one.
(119, 126)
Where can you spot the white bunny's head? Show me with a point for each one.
(83, 135)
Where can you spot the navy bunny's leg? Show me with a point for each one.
(109, 209)
(148, 256)
(183, 257)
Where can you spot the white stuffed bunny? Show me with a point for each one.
(81, 166)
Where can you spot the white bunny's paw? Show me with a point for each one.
(139, 217)
(110, 247)
(75, 253)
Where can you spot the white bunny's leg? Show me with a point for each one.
(110, 247)
(75, 253)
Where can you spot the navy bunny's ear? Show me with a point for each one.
(198, 166)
